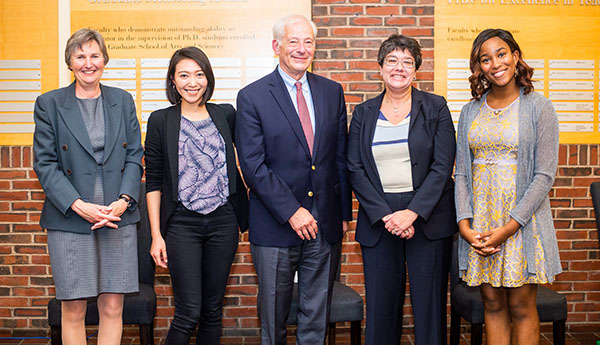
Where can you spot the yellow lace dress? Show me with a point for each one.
(494, 142)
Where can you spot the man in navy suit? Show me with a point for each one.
(291, 139)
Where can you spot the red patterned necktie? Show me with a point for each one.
(304, 117)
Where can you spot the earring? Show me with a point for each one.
(415, 78)
(516, 72)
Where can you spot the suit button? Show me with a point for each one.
(124, 145)
(313, 168)
(69, 172)
(122, 169)
(65, 147)
(414, 165)
(310, 193)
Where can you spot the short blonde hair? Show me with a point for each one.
(80, 37)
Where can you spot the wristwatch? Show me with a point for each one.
(127, 199)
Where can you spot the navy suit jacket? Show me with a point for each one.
(432, 146)
(162, 159)
(278, 167)
(64, 158)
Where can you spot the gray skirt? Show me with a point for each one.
(86, 265)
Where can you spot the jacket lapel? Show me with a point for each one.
(71, 115)
(417, 102)
(220, 121)
(112, 120)
(172, 126)
(282, 97)
(318, 94)
(369, 125)
(218, 118)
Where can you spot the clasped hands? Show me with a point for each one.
(305, 225)
(99, 215)
(489, 242)
(400, 223)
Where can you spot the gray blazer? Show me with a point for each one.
(64, 160)
(537, 161)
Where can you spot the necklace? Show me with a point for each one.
(395, 109)
(498, 112)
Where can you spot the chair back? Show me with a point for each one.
(144, 240)
(595, 193)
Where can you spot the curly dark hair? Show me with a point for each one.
(400, 42)
(201, 59)
(479, 85)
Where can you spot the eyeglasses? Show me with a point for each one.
(392, 61)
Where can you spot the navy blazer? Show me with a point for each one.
(64, 159)
(278, 167)
(162, 159)
(432, 146)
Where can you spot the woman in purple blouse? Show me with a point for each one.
(196, 198)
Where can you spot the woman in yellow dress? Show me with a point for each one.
(507, 154)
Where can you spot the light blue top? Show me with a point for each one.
(537, 161)
(290, 85)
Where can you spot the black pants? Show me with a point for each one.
(200, 250)
(385, 282)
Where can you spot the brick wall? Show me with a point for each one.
(577, 234)
(350, 32)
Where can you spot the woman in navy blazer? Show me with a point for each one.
(196, 198)
(400, 157)
(88, 154)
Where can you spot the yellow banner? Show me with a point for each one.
(28, 64)
(560, 39)
(141, 36)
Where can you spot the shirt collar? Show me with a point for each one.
(291, 82)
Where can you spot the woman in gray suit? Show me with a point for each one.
(88, 160)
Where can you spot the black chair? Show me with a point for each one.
(595, 193)
(139, 308)
(466, 303)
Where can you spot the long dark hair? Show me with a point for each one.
(202, 60)
(479, 85)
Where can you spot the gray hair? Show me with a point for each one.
(80, 37)
(281, 24)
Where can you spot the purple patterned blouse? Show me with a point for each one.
(203, 181)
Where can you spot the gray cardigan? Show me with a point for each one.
(537, 161)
